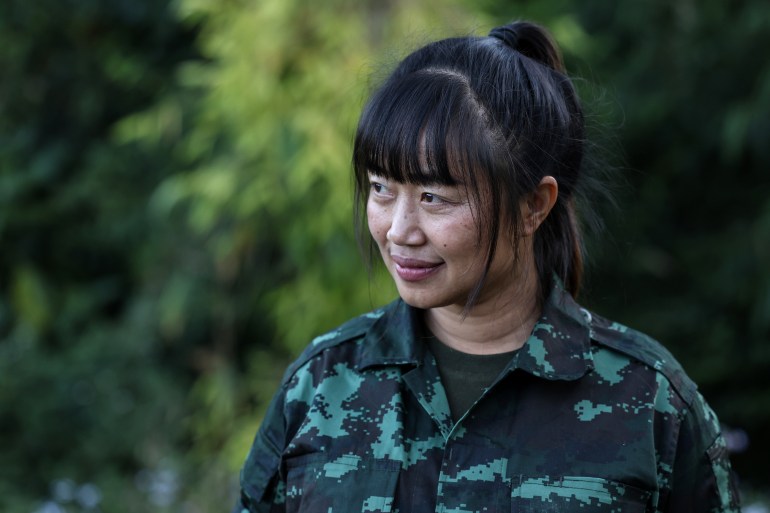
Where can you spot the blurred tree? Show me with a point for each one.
(82, 380)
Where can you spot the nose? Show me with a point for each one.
(405, 229)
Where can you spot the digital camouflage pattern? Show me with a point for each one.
(588, 416)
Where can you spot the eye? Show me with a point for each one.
(429, 197)
(377, 187)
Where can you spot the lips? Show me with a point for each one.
(413, 269)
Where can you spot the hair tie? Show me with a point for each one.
(531, 41)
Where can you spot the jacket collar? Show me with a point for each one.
(559, 347)
(393, 337)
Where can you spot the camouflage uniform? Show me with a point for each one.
(588, 416)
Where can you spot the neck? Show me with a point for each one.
(498, 324)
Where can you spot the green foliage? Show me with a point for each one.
(83, 390)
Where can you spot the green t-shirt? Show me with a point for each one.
(465, 376)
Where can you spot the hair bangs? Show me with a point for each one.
(414, 129)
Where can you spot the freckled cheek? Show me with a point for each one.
(461, 239)
(378, 223)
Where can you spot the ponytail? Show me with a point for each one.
(558, 242)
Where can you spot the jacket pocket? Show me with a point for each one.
(576, 494)
(345, 484)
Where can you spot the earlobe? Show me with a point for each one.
(539, 204)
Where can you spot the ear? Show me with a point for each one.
(538, 204)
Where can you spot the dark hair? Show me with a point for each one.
(496, 114)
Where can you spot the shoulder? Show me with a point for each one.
(637, 346)
(347, 334)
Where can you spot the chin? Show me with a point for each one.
(414, 298)
(425, 301)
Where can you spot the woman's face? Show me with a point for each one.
(429, 241)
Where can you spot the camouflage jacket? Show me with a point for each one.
(588, 416)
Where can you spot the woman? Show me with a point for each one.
(485, 387)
